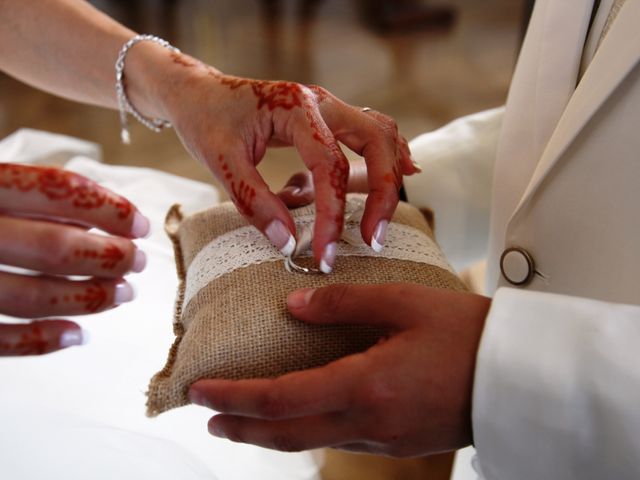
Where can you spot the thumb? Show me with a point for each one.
(376, 305)
(298, 191)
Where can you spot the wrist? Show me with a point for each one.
(153, 75)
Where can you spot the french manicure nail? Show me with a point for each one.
(379, 236)
(300, 298)
(141, 227)
(71, 338)
(124, 292)
(281, 237)
(417, 167)
(139, 261)
(328, 258)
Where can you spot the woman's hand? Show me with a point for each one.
(228, 123)
(409, 395)
(44, 217)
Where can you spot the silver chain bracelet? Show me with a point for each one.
(155, 124)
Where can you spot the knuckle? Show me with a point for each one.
(388, 122)
(390, 131)
(54, 249)
(318, 90)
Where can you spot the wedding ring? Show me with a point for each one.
(292, 267)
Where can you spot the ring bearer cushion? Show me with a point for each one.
(231, 319)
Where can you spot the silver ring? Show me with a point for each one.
(292, 267)
(366, 109)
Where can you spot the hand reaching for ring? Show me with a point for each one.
(45, 214)
(229, 122)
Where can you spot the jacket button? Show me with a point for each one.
(517, 266)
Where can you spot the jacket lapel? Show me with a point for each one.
(543, 83)
(615, 59)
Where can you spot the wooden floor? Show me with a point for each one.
(423, 78)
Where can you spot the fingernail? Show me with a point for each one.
(197, 398)
(141, 227)
(139, 261)
(328, 258)
(300, 298)
(292, 190)
(216, 430)
(281, 237)
(417, 167)
(124, 292)
(71, 338)
(379, 236)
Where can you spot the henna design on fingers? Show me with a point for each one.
(242, 194)
(394, 177)
(30, 342)
(339, 176)
(61, 185)
(93, 298)
(321, 94)
(285, 95)
(110, 256)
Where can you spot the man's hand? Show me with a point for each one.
(409, 395)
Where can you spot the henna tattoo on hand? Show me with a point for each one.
(93, 298)
(31, 342)
(61, 185)
(242, 194)
(184, 60)
(109, 257)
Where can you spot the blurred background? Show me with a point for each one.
(424, 62)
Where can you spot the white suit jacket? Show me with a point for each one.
(557, 385)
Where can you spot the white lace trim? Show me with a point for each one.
(247, 246)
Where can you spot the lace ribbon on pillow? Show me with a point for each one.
(246, 246)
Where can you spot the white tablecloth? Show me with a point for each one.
(79, 413)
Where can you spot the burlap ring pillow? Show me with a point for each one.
(231, 319)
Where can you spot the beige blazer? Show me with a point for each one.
(557, 386)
